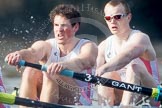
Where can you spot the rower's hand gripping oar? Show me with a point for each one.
(155, 93)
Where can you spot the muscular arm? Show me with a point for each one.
(86, 58)
(36, 52)
(134, 48)
(101, 54)
(32, 54)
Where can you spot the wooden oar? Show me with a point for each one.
(152, 92)
(11, 100)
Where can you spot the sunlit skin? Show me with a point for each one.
(118, 27)
(64, 35)
(64, 32)
(45, 85)
(127, 46)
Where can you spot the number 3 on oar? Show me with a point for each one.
(88, 77)
(155, 93)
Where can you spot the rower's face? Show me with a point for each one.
(63, 29)
(116, 18)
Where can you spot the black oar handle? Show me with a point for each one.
(153, 92)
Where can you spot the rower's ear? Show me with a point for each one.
(129, 17)
(76, 27)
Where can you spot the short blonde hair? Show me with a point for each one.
(117, 2)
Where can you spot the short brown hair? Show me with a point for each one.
(68, 11)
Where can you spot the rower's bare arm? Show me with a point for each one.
(86, 58)
(101, 54)
(33, 54)
(135, 47)
(36, 52)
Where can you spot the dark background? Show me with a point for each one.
(28, 20)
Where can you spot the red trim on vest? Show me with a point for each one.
(89, 71)
(147, 64)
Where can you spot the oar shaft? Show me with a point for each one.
(34, 103)
(113, 83)
(153, 92)
(11, 99)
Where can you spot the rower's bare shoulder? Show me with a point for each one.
(102, 45)
(90, 45)
(40, 43)
(141, 35)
